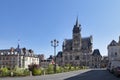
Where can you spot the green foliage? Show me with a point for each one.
(72, 68)
(20, 72)
(59, 69)
(36, 71)
(17, 71)
(66, 69)
(68, 65)
(77, 68)
(4, 72)
(26, 72)
(50, 69)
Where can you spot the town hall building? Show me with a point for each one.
(77, 51)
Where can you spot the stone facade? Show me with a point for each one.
(59, 58)
(77, 51)
(96, 59)
(104, 61)
(114, 50)
(20, 57)
(41, 58)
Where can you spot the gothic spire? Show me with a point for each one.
(77, 28)
(77, 22)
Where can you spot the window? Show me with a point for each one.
(76, 57)
(115, 53)
(6, 58)
(95, 59)
(14, 58)
(70, 57)
(66, 58)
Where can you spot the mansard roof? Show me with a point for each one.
(59, 54)
(86, 39)
(21, 51)
(96, 52)
(86, 43)
(68, 42)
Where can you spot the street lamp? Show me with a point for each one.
(86, 59)
(54, 44)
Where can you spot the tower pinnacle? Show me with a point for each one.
(77, 28)
(77, 22)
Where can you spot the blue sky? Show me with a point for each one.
(37, 22)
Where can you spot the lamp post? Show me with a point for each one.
(86, 59)
(54, 44)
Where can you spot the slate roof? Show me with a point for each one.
(67, 44)
(59, 54)
(113, 43)
(19, 51)
(96, 52)
(51, 57)
(86, 43)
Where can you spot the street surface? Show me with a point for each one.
(90, 74)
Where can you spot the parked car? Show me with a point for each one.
(116, 71)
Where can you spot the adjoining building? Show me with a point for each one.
(104, 61)
(59, 58)
(20, 57)
(41, 58)
(96, 59)
(114, 50)
(46, 62)
(77, 51)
